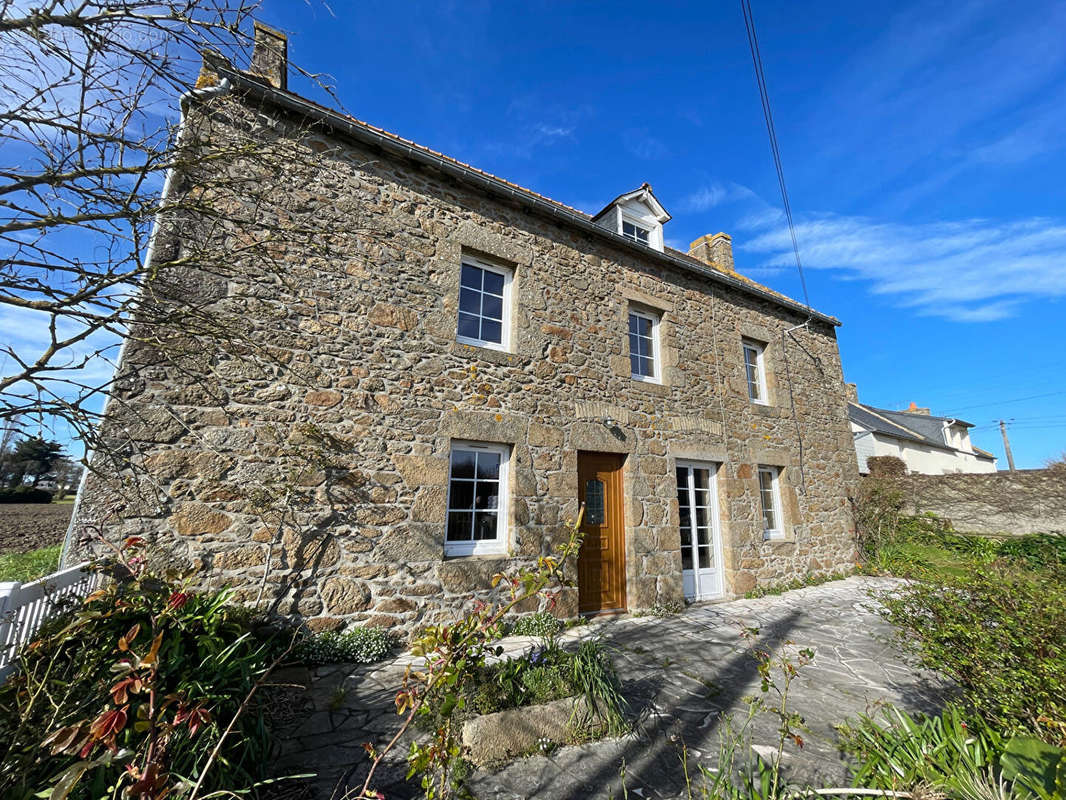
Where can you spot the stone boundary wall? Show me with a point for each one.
(1027, 501)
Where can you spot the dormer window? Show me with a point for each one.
(633, 231)
(636, 216)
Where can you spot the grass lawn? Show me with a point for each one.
(26, 567)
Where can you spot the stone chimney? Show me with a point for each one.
(852, 392)
(716, 250)
(270, 56)
(913, 409)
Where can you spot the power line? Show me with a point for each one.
(1002, 402)
(764, 96)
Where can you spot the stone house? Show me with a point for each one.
(463, 362)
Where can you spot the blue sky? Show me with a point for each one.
(923, 144)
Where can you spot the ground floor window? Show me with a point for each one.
(770, 500)
(477, 499)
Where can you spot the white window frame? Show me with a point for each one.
(656, 346)
(504, 345)
(501, 544)
(715, 517)
(640, 226)
(760, 371)
(654, 229)
(775, 496)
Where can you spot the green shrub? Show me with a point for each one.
(541, 624)
(999, 632)
(25, 494)
(131, 690)
(543, 674)
(357, 646)
(26, 567)
(1036, 551)
(895, 750)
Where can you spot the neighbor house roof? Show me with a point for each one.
(377, 137)
(923, 429)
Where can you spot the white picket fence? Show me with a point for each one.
(23, 607)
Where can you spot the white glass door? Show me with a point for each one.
(701, 544)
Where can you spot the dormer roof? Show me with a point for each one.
(642, 194)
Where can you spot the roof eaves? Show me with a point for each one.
(388, 141)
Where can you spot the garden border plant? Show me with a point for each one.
(125, 693)
(452, 655)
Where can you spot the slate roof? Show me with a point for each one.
(924, 429)
(379, 137)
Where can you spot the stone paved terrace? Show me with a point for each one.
(680, 674)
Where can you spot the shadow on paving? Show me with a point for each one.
(680, 675)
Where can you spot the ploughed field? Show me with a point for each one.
(31, 526)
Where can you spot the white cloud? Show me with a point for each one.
(715, 194)
(969, 271)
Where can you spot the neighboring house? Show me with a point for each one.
(483, 359)
(928, 444)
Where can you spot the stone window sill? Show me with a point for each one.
(486, 354)
(650, 387)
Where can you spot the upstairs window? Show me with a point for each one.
(770, 500)
(755, 371)
(477, 499)
(634, 232)
(484, 305)
(644, 346)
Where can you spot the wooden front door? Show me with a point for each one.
(601, 564)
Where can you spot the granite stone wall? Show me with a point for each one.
(1026, 501)
(304, 458)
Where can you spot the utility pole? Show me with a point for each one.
(1006, 444)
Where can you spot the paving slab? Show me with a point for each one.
(682, 675)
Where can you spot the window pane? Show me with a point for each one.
(642, 235)
(468, 326)
(492, 331)
(594, 505)
(634, 364)
(487, 495)
(493, 282)
(485, 525)
(634, 344)
(703, 498)
(645, 367)
(686, 558)
(700, 476)
(701, 521)
(769, 518)
(461, 494)
(634, 325)
(643, 346)
(469, 301)
(682, 478)
(471, 276)
(492, 306)
(459, 523)
(644, 326)
(705, 558)
(463, 463)
(488, 465)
